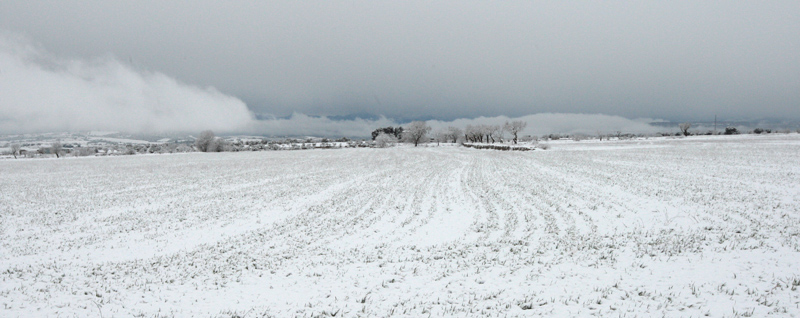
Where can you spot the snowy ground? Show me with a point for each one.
(704, 226)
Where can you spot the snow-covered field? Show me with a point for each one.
(659, 227)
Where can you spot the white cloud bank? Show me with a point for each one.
(547, 123)
(42, 93)
(538, 124)
(303, 125)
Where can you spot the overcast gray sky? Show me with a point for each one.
(679, 60)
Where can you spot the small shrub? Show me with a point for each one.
(498, 147)
(731, 131)
(384, 140)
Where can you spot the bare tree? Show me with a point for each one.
(481, 133)
(416, 132)
(470, 133)
(478, 133)
(474, 133)
(205, 140)
(453, 133)
(483, 130)
(685, 128)
(441, 136)
(56, 148)
(15, 149)
(384, 140)
(514, 128)
(494, 132)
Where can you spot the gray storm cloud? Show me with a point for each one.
(299, 124)
(547, 123)
(679, 60)
(43, 93)
(676, 60)
(538, 124)
(40, 93)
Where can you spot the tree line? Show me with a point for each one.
(418, 132)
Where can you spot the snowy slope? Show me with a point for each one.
(662, 227)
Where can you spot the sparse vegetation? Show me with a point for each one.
(498, 147)
(416, 132)
(15, 147)
(206, 141)
(514, 128)
(396, 132)
(685, 128)
(56, 148)
(385, 140)
(453, 134)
